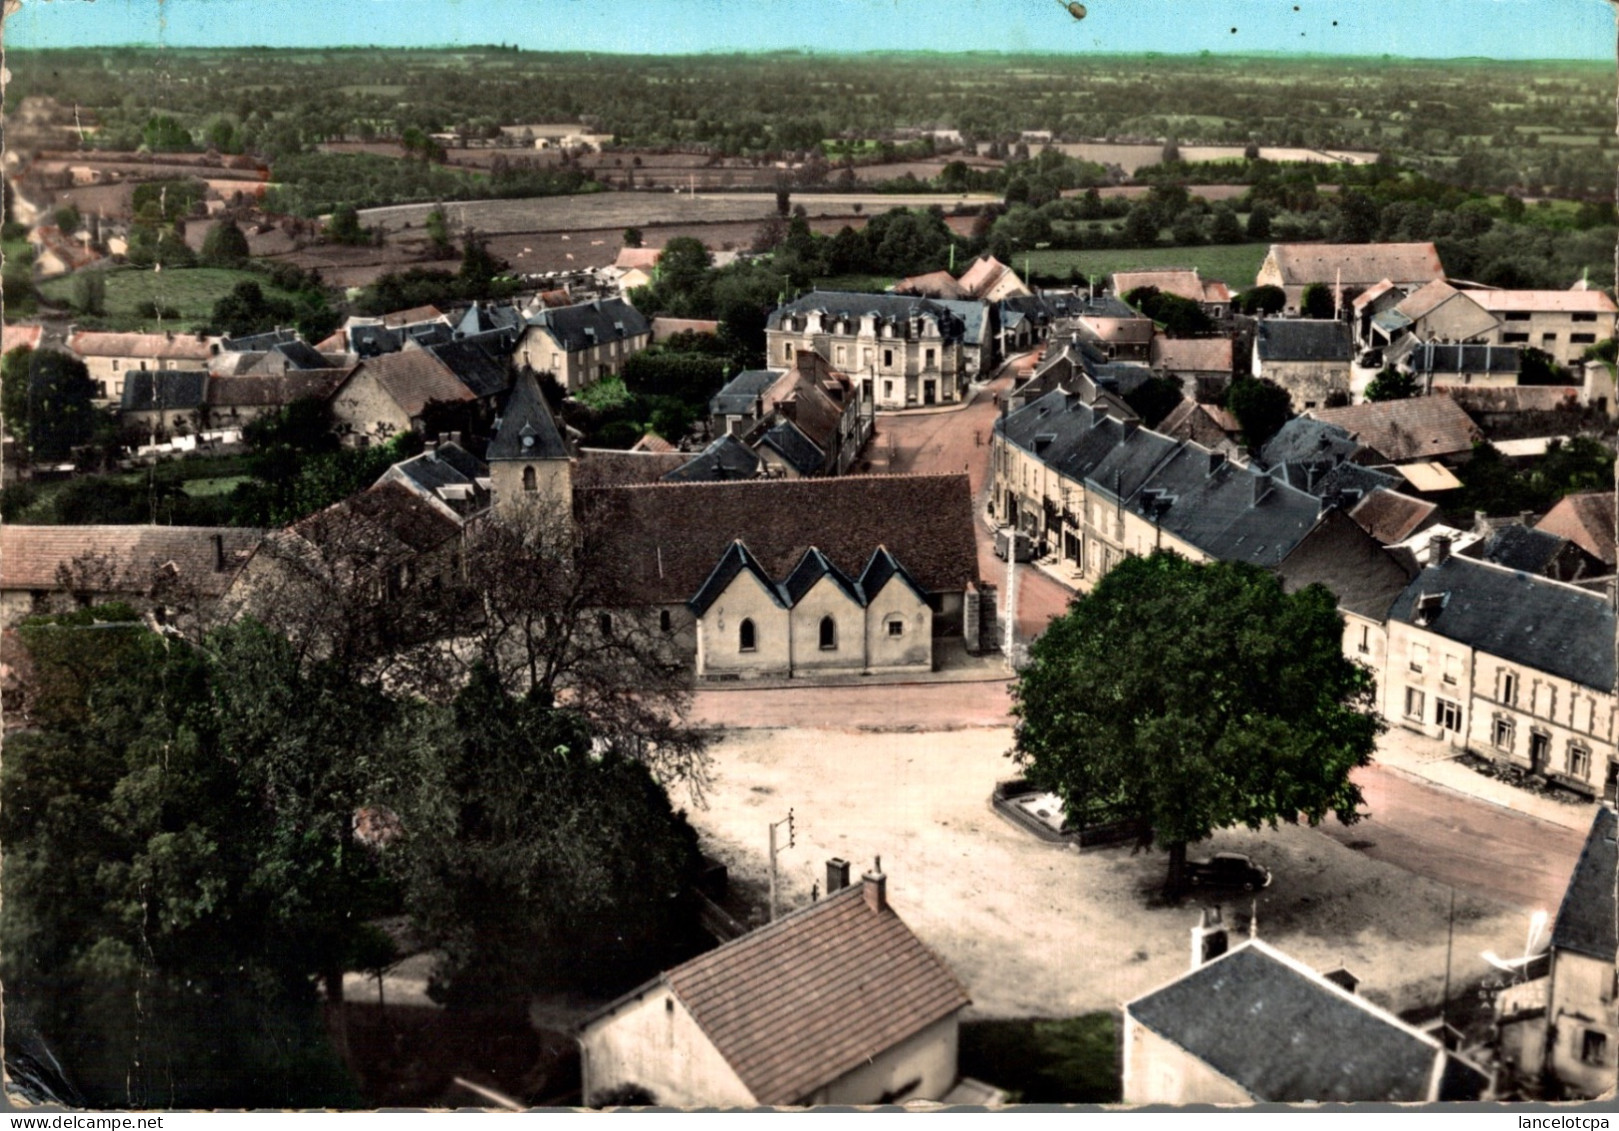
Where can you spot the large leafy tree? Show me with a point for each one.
(1196, 697)
(47, 398)
(1261, 406)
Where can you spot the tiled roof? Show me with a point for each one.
(984, 273)
(1284, 1034)
(1190, 420)
(1391, 517)
(32, 555)
(1192, 355)
(147, 390)
(1533, 621)
(1587, 520)
(652, 442)
(1544, 301)
(12, 336)
(1350, 562)
(1371, 294)
(397, 318)
(797, 1004)
(1183, 282)
(1512, 398)
(726, 458)
(1304, 339)
(415, 379)
(1585, 921)
(604, 467)
(388, 520)
(935, 284)
(273, 390)
(789, 442)
(645, 258)
(1411, 429)
(479, 370)
(668, 536)
(1356, 264)
(1426, 298)
(177, 347)
(595, 323)
(525, 428)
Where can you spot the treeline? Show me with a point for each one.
(312, 184)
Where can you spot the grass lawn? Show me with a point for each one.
(1233, 264)
(1037, 1061)
(872, 283)
(192, 291)
(223, 485)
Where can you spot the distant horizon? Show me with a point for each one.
(1510, 31)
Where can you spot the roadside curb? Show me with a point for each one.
(1579, 816)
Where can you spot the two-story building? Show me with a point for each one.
(1563, 324)
(1308, 357)
(583, 343)
(1348, 269)
(110, 356)
(907, 352)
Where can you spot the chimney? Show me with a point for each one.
(1216, 461)
(837, 874)
(1261, 486)
(219, 553)
(1438, 549)
(876, 886)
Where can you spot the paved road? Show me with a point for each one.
(952, 441)
(1423, 828)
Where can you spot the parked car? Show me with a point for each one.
(1020, 544)
(1227, 870)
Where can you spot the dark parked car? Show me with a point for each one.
(1227, 870)
(1016, 543)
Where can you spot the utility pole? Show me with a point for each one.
(774, 825)
(1011, 598)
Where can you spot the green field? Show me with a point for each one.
(871, 283)
(1233, 264)
(192, 291)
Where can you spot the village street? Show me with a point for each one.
(905, 770)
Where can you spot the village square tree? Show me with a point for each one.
(1196, 697)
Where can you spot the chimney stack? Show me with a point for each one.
(219, 553)
(1438, 549)
(1209, 939)
(876, 886)
(837, 874)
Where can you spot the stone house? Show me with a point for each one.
(1587, 520)
(1410, 430)
(1514, 667)
(1434, 312)
(1203, 366)
(1119, 330)
(1347, 268)
(1561, 323)
(1561, 1032)
(837, 1003)
(234, 402)
(160, 403)
(1308, 357)
(1254, 1025)
(807, 419)
(583, 343)
(906, 352)
(388, 394)
(111, 356)
(989, 280)
(155, 568)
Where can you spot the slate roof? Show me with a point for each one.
(1585, 921)
(588, 324)
(477, 369)
(1391, 517)
(147, 390)
(1337, 553)
(414, 379)
(448, 475)
(735, 562)
(972, 315)
(1204, 424)
(887, 307)
(1348, 483)
(1286, 1035)
(740, 395)
(603, 467)
(33, 554)
(1440, 358)
(880, 570)
(811, 568)
(525, 428)
(1304, 339)
(724, 458)
(1411, 429)
(1305, 440)
(796, 1004)
(789, 442)
(490, 318)
(257, 343)
(1356, 265)
(300, 355)
(667, 536)
(1521, 547)
(1533, 621)
(1587, 520)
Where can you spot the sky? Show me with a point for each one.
(1502, 29)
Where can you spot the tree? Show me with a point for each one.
(1225, 227)
(344, 227)
(248, 310)
(1140, 225)
(1261, 406)
(1317, 301)
(1155, 398)
(1261, 300)
(1259, 223)
(1391, 384)
(225, 245)
(1180, 317)
(632, 237)
(1196, 697)
(1357, 218)
(479, 266)
(90, 292)
(1540, 368)
(48, 402)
